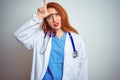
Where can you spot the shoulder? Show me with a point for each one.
(76, 37)
(78, 40)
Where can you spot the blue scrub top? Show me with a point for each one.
(55, 66)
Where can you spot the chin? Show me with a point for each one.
(57, 28)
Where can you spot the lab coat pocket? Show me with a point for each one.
(76, 66)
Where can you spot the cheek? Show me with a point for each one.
(60, 20)
(49, 23)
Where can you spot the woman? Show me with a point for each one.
(58, 51)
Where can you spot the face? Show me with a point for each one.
(54, 19)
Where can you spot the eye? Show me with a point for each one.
(49, 17)
(57, 14)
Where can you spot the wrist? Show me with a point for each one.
(36, 18)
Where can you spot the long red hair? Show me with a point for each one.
(65, 25)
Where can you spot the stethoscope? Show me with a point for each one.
(46, 40)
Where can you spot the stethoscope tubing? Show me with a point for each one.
(43, 49)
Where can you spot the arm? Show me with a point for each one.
(26, 32)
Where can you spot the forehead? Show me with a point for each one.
(52, 10)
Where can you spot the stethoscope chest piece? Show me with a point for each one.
(75, 54)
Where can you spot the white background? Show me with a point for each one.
(98, 22)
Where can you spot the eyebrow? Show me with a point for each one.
(53, 13)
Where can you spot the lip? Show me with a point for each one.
(56, 24)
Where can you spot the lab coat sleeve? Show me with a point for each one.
(26, 32)
(83, 63)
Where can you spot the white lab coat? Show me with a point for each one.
(31, 35)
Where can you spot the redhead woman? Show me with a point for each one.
(58, 50)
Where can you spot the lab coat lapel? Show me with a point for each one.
(47, 55)
(68, 49)
(69, 61)
(67, 58)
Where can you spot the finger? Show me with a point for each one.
(41, 10)
(45, 5)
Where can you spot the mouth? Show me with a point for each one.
(56, 24)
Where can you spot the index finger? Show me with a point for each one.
(45, 5)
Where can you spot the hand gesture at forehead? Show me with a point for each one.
(42, 12)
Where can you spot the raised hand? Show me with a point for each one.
(42, 12)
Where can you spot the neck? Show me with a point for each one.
(59, 33)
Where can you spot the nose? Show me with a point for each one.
(54, 18)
